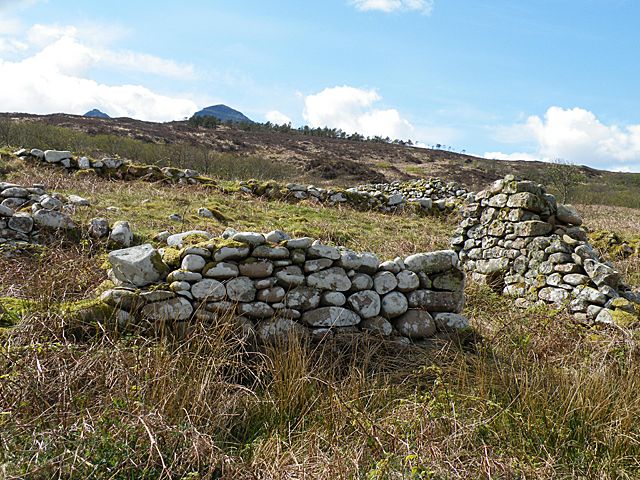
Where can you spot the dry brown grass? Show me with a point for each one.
(614, 219)
(525, 394)
(538, 397)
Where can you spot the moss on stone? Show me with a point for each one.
(614, 245)
(89, 172)
(624, 319)
(171, 256)
(12, 310)
(195, 239)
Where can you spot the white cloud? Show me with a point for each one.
(7, 4)
(44, 35)
(55, 79)
(577, 135)
(351, 109)
(9, 45)
(388, 6)
(277, 117)
(511, 156)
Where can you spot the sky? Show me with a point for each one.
(505, 79)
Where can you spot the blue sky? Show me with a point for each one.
(534, 79)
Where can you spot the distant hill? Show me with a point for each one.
(224, 114)
(95, 113)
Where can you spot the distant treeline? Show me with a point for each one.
(208, 121)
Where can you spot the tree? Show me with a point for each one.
(564, 177)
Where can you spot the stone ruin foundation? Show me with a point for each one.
(518, 239)
(276, 285)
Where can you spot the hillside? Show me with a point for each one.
(317, 160)
(522, 393)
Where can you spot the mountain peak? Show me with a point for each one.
(95, 113)
(223, 113)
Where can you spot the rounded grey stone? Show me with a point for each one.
(209, 289)
(407, 281)
(366, 303)
(384, 282)
(241, 289)
(393, 305)
(415, 324)
(193, 263)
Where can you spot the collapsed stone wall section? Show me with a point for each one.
(24, 210)
(521, 241)
(432, 195)
(276, 285)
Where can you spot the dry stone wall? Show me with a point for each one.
(116, 167)
(24, 210)
(433, 195)
(276, 285)
(521, 241)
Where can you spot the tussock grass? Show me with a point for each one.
(524, 394)
(207, 161)
(528, 395)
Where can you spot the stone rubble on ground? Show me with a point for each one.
(25, 210)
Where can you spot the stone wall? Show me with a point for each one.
(433, 195)
(430, 195)
(116, 167)
(521, 241)
(276, 285)
(26, 209)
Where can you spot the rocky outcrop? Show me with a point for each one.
(294, 285)
(521, 241)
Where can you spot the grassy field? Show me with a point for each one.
(523, 394)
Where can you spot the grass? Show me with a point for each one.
(183, 155)
(147, 208)
(523, 394)
(537, 398)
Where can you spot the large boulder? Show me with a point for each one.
(55, 156)
(140, 265)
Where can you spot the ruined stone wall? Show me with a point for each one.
(277, 285)
(521, 241)
(433, 195)
(25, 209)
